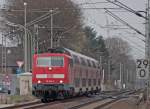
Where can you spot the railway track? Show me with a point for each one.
(38, 104)
(100, 103)
(104, 101)
(21, 105)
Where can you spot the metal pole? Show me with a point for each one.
(36, 45)
(109, 70)
(148, 38)
(5, 61)
(148, 28)
(127, 78)
(100, 60)
(51, 28)
(58, 45)
(108, 29)
(37, 39)
(25, 38)
(146, 33)
(121, 74)
(2, 54)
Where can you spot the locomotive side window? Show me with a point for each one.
(99, 81)
(80, 72)
(83, 82)
(89, 64)
(76, 59)
(89, 82)
(71, 62)
(50, 61)
(94, 65)
(83, 62)
(97, 65)
(94, 82)
(77, 82)
(86, 72)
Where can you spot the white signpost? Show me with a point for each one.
(20, 63)
(142, 69)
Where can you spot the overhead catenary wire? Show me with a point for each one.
(93, 22)
(39, 19)
(134, 45)
(106, 27)
(135, 36)
(45, 10)
(138, 55)
(118, 28)
(131, 41)
(67, 31)
(141, 52)
(125, 39)
(136, 29)
(122, 21)
(126, 8)
(90, 3)
(135, 12)
(121, 5)
(45, 16)
(94, 7)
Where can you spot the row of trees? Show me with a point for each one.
(69, 32)
(121, 61)
(114, 54)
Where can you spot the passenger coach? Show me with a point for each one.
(61, 73)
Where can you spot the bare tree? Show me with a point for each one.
(119, 52)
(67, 23)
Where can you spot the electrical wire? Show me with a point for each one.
(121, 5)
(135, 12)
(90, 3)
(122, 21)
(133, 45)
(126, 39)
(119, 28)
(136, 36)
(39, 19)
(131, 41)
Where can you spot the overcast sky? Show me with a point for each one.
(98, 18)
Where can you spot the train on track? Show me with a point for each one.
(62, 73)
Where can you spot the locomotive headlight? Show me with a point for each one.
(39, 81)
(50, 68)
(61, 81)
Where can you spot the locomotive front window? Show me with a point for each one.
(50, 61)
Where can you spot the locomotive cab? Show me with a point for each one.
(50, 74)
(63, 73)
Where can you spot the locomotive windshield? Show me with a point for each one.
(52, 61)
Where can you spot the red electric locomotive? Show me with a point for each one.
(62, 73)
